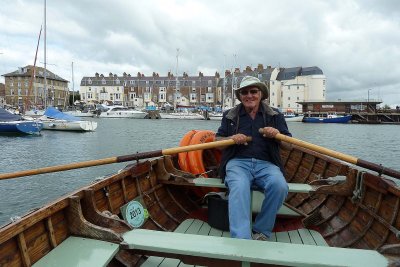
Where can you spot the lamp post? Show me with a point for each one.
(368, 100)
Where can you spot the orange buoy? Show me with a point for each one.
(198, 158)
(183, 161)
(197, 162)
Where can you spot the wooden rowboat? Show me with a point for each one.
(335, 215)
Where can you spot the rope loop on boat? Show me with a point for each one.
(358, 191)
(382, 170)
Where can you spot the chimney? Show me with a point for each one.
(227, 73)
(248, 69)
(260, 67)
(216, 74)
(110, 75)
(97, 75)
(201, 74)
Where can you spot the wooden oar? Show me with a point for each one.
(118, 159)
(350, 159)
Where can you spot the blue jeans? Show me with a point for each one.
(241, 175)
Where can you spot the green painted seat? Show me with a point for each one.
(78, 251)
(216, 182)
(195, 226)
(247, 251)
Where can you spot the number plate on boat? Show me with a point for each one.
(135, 212)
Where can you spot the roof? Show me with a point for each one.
(291, 73)
(352, 102)
(27, 72)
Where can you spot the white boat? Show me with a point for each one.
(182, 116)
(54, 119)
(34, 112)
(122, 112)
(292, 117)
(215, 116)
(79, 113)
(63, 125)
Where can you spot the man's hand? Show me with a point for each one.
(268, 132)
(240, 139)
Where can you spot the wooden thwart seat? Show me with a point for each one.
(78, 251)
(245, 251)
(216, 182)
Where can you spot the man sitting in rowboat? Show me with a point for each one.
(253, 164)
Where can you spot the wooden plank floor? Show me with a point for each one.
(195, 226)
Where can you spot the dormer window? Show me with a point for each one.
(103, 81)
(117, 81)
(89, 81)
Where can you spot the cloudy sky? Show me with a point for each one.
(355, 43)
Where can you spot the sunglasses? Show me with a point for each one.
(252, 91)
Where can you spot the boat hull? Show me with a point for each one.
(344, 119)
(298, 118)
(21, 127)
(361, 212)
(182, 116)
(123, 115)
(60, 125)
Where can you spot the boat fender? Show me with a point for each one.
(198, 159)
(183, 160)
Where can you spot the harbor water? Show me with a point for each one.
(115, 137)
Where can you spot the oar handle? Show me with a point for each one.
(131, 157)
(334, 154)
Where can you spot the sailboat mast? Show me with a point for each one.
(73, 85)
(45, 62)
(33, 72)
(177, 78)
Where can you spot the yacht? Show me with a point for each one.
(121, 112)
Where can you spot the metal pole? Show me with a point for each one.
(73, 85)
(45, 67)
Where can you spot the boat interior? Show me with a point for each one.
(335, 215)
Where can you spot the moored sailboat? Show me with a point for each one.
(16, 124)
(54, 119)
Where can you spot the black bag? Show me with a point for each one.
(218, 211)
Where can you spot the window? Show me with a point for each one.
(132, 82)
(103, 81)
(90, 89)
(117, 81)
(89, 81)
(209, 82)
(288, 98)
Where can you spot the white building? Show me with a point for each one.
(287, 86)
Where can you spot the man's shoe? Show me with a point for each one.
(259, 236)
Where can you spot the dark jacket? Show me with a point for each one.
(272, 118)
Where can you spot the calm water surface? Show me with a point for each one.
(115, 137)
